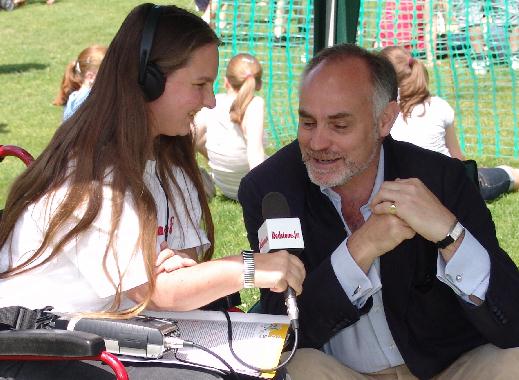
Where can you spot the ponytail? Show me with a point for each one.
(414, 88)
(244, 75)
(243, 98)
(412, 76)
(71, 82)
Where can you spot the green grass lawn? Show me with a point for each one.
(37, 41)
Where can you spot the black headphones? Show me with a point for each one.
(151, 79)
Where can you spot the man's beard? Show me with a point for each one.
(351, 168)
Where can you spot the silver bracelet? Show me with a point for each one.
(248, 268)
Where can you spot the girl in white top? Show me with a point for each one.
(428, 125)
(79, 261)
(231, 135)
(111, 218)
(428, 121)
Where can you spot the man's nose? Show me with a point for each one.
(320, 139)
(209, 99)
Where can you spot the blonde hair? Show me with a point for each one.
(88, 60)
(412, 77)
(244, 75)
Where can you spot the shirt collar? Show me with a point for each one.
(334, 197)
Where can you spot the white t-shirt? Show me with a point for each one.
(226, 145)
(74, 280)
(426, 129)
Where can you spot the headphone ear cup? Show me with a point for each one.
(154, 82)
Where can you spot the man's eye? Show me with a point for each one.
(307, 123)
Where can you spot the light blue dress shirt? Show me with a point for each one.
(75, 99)
(367, 346)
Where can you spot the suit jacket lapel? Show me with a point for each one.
(396, 267)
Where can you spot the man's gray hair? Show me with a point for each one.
(382, 73)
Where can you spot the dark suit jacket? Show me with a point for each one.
(429, 323)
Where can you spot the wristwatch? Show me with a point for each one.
(248, 268)
(452, 236)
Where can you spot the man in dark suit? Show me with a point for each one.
(405, 276)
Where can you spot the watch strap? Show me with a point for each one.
(452, 236)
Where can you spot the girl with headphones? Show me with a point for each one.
(111, 218)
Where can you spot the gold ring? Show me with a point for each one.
(392, 209)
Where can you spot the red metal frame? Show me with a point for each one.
(115, 364)
(12, 150)
(106, 357)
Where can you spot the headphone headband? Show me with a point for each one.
(148, 33)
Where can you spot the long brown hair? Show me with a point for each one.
(112, 133)
(244, 75)
(88, 60)
(412, 76)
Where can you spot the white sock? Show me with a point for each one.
(508, 171)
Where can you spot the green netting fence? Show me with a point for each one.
(470, 48)
(280, 34)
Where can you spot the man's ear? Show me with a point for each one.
(387, 118)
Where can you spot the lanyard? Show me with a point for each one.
(166, 225)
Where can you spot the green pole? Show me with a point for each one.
(347, 18)
(319, 25)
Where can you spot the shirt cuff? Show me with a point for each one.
(468, 271)
(356, 284)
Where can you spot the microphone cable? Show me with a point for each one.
(295, 328)
(187, 343)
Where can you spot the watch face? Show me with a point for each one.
(457, 231)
